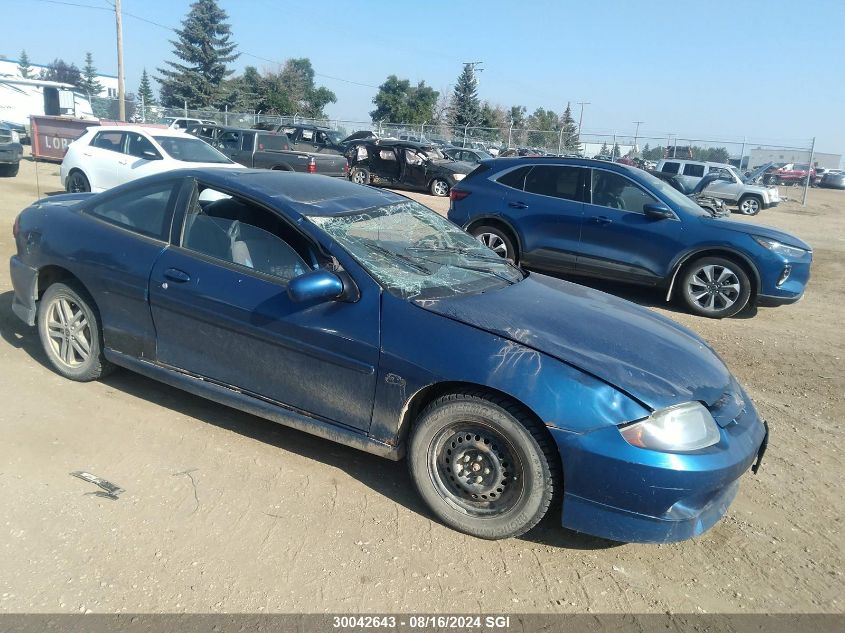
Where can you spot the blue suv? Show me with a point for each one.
(607, 220)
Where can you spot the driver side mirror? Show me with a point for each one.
(657, 211)
(315, 286)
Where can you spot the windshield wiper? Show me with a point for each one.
(463, 251)
(399, 256)
(479, 269)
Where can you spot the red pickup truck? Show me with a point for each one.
(792, 173)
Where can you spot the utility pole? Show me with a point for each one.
(121, 85)
(581, 116)
(636, 135)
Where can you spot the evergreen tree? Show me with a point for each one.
(204, 46)
(145, 90)
(646, 151)
(24, 68)
(89, 84)
(604, 151)
(466, 108)
(617, 153)
(570, 141)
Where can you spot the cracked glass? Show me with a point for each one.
(415, 253)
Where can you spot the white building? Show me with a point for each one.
(762, 155)
(9, 68)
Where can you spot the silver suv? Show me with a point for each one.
(732, 188)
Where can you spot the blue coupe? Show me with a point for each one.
(601, 219)
(365, 318)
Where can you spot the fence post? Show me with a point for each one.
(559, 140)
(143, 110)
(226, 115)
(613, 150)
(809, 168)
(510, 132)
(186, 108)
(466, 127)
(742, 155)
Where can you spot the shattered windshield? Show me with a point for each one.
(415, 253)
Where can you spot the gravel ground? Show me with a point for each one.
(227, 512)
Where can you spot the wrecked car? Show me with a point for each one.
(363, 317)
(404, 164)
(715, 206)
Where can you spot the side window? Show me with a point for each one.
(387, 154)
(307, 135)
(112, 141)
(145, 210)
(412, 157)
(554, 181)
(237, 232)
(691, 169)
(137, 144)
(670, 168)
(617, 192)
(290, 131)
(322, 139)
(515, 178)
(230, 140)
(248, 142)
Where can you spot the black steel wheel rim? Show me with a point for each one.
(476, 470)
(76, 184)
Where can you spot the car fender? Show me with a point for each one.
(686, 256)
(496, 217)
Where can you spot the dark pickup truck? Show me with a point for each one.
(313, 138)
(267, 150)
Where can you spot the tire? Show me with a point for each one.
(498, 240)
(750, 205)
(66, 311)
(77, 182)
(461, 434)
(439, 188)
(360, 176)
(715, 287)
(10, 171)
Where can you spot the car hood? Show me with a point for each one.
(649, 357)
(757, 229)
(452, 166)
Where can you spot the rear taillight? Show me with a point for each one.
(16, 227)
(458, 194)
(346, 168)
(312, 166)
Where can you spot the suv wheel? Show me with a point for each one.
(483, 465)
(497, 240)
(750, 205)
(715, 287)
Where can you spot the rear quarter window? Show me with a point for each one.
(691, 169)
(515, 178)
(670, 168)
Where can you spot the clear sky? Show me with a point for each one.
(771, 70)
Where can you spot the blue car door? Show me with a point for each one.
(221, 311)
(618, 241)
(546, 210)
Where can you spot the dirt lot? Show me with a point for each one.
(226, 512)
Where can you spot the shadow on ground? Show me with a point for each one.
(388, 478)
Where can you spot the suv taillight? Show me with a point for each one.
(458, 194)
(312, 166)
(16, 227)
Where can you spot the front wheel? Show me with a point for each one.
(483, 465)
(10, 171)
(360, 176)
(70, 333)
(439, 188)
(77, 183)
(750, 205)
(715, 287)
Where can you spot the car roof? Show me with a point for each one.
(231, 128)
(391, 142)
(302, 193)
(158, 131)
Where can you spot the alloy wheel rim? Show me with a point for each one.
(714, 288)
(750, 206)
(68, 332)
(440, 188)
(76, 184)
(476, 470)
(358, 178)
(494, 243)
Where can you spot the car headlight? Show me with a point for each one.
(779, 247)
(681, 427)
(458, 176)
(16, 138)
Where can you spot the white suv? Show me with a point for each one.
(107, 156)
(732, 188)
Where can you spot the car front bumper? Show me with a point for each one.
(624, 493)
(25, 285)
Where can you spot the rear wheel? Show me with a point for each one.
(497, 240)
(483, 465)
(750, 205)
(69, 328)
(715, 287)
(77, 183)
(10, 170)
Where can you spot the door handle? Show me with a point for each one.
(517, 205)
(179, 276)
(602, 219)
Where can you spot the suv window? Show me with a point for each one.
(515, 178)
(307, 135)
(144, 210)
(691, 169)
(138, 144)
(617, 192)
(670, 168)
(112, 141)
(248, 142)
(230, 140)
(554, 181)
